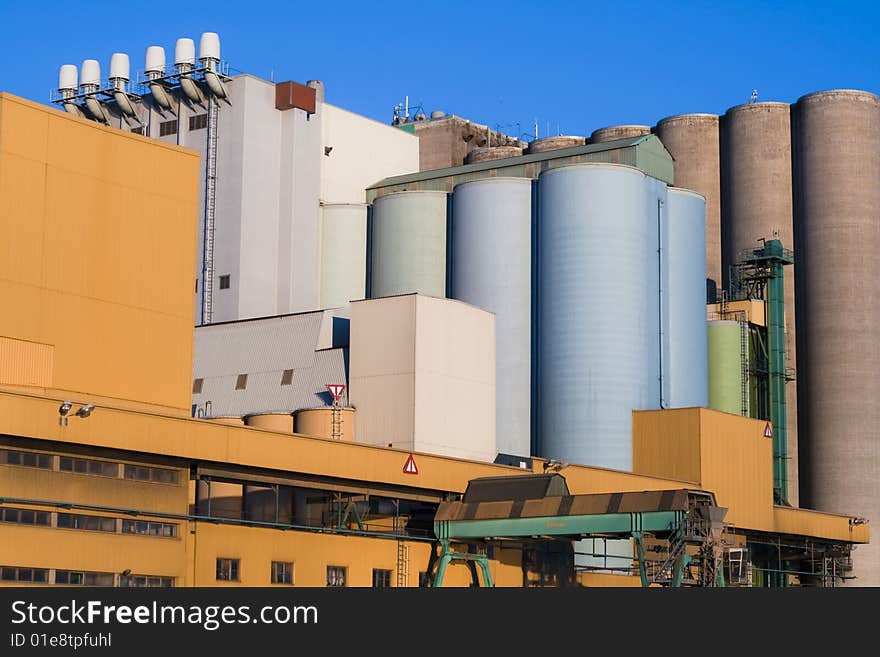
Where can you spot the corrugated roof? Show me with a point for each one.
(264, 349)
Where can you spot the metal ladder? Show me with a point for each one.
(744, 364)
(210, 194)
(402, 550)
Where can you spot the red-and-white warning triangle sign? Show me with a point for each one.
(336, 390)
(410, 466)
(768, 431)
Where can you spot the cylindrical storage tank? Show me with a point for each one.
(233, 421)
(343, 253)
(492, 153)
(598, 339)
(318, 423)
(725, 366)
(555, 143)
(836, 157)
(408, 244)
(614, 132)
(683, 291)
(280, 422)
(492, 269)
(219, 499)
(756, 203)
(693, 142)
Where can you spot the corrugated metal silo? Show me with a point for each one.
(492, 269)
(836, 147)
(693, 141)
(598, 311)
(725, 366)
(756, 203)
(619, 132)
(408, 244)
(343, 253)
(683, 291)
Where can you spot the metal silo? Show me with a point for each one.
(492, 268)
(408, 244)
(343, 253)
(836, 164)
(726, 391)
(683, 291)
(598, 311)
(756, 202)
(619, 132)
(692, 140)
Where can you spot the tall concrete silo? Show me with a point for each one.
(836, 164)
(598, 311)
(619, 132)
(693, 142)
(408, 244)
(684, 367)
(343, 253)
(491, 244)
(756, 203)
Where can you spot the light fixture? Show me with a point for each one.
(63, 410)
(85, 410)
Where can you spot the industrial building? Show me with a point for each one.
(107, 479)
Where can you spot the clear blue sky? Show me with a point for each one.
(576, 66)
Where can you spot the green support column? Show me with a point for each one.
(643, 567)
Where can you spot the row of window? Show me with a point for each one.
(95, 467)
(229, 570)
(80, 578)
(87, 522)
(241, 382)
(196, 122)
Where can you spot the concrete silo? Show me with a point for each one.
(692, 140)
(491, 245)
(756, 202)
(836, 165)
(408, 244)
(343, 253)
(619, 132)
(545, 144)
(597, 311)
(684, 367)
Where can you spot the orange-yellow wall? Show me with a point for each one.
(97, 258)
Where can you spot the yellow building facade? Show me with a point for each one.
(96, 279)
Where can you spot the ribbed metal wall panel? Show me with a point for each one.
(598, 312)
(685, 362)
(492, 269)
(408, 244)
(343, 253)
(725, 366)
(836, 157)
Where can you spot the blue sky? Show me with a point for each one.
(575, 66)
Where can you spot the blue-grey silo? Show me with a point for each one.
(491, 246)
(343, 253)
(684, 367)
(408, 244)
(598, 311)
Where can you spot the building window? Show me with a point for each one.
(241, 382)
(88, 466)
(381, 578)
(282, 572)
(423, 579)
(15, 574)
(157, 475)
(148, 581)
(197, 386)
(287, 377)
(82, 578)
(25, 517)
(336, 576)
(168, 128)
(140, 130)
(198, 122)
(28, 459)
(145, 528)
(90, 523)
(224, 281)
(227, 570)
